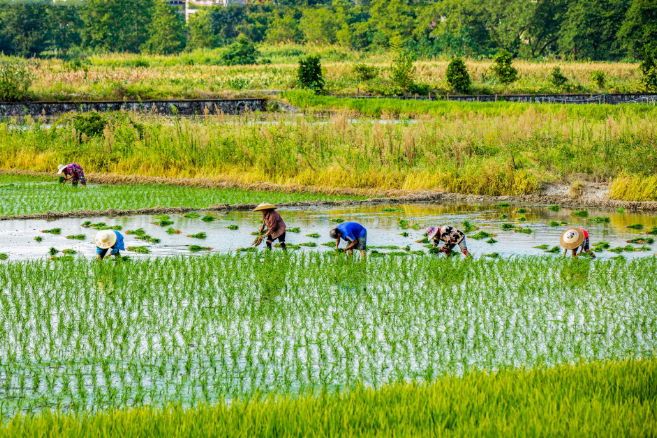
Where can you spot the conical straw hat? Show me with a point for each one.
(105, 239)
(60, 168)
(265, 206)
(572, 238)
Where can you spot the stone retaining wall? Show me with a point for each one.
(612, 99)
(165, 107)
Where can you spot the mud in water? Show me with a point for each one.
(17, 236)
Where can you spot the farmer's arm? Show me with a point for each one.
(337, 243)
(352, 245)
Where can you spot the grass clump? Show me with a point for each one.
(482, 235)
(502, 204)
(554, 208)
(580, 213)
(4, 256)
(233, 227)
(600, 219)
(172, 230)
(139, 249)
(313, 235)
(600, 246)
(469, 227)
(521, 211)
(522, 219)
(53, 251)
(77, 237)
(621, 210)
(544, 246)
(197, 248)
(653, 232)
(523, 230)
(38, 238)
(200, 235)
(642, 240)
(163, 220)
(209, 218)
(53, 231)
(337, 220)
(392, 209)
(404, 234)
(294, 230)
(192, 215)
(137, 232)
(635, 227)
(491, 241)
(507, 227)
(69, 252)
(309, 244)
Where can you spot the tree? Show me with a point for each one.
(319, 26)
(639, 27)
(503, 69)
(201, 32)
(226, 20)
(166, 30)
(65, 27)
(403, 71)
(310, 73)
(116, 25)
(648, 68)
(392, 19)
(241, 52)
(284, 29)
(557, 78)
(458, 76)
(25, 29)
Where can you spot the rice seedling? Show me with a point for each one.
(291, 246)
(544, 246)
(163, 220)
(600, 219)
(507, 227)
(313, 235)
(308, 244)
(491, 241)
(621, 210)
(337, 220)
(554, 208)
(392, 209)
(521, 210)
(294, 230)
(249, 249)
(53, 231)
(4, 256)
(137, 232)
(482, 235)
(53, 251)
(209, 218)
(502, 204)
(642, 240)
(523, 230)
(196, 248)
(492, 255)
(653, 232)
(330, 244)
(38, 238)
(147, 238)
(404, 234)
(555, 223)
(233, 227)
(635, 227)
(627, 248)
(554, 250)
(522, 219)
(192, 215)
(600, 246)
(407, 248)
(139, 249)
(64, 258)
(172, 230)
(384, 247)
(580, 213)
(69, 251)
(101, 226)
(77, 237)
(201, 235)
(468, 227)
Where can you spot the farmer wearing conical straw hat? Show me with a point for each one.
(108, 240)
(575, 238)
(450, 236)
(274, 223)
(74, 172)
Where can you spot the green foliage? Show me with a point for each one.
(309, 74)
(77, 237)
(4, 256)
(166, 31)
(600, 219)
(241, 52)
(233, 227)
(16, 78)
(554, 208)
(503, 69)
(201, 235)
(458, 76)
(53, 231)
(91, 123)
(599, 78)
(403, 72)
(636, 226)
(557, 78)
(648, 69)
(364, 72)
(580, 213)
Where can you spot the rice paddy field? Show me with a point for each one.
(199, 75)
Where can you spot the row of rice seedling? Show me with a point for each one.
(19, 195)
(83, 336)
(595, 399)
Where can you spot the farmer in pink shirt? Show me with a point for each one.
(575, 238)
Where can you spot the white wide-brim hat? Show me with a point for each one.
(572, 238)
(265, 206)
(61, 168)
(105, 239)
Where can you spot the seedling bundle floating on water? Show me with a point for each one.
(313, 235)
(171, 230)
(101, 226)
(468, 227)
(139, 249)
(53, 231)
(642, 240)
(200, 235)
(77, 237)
(38, 238)
(308, 244)
(209, 218)
(636, 227)
(482, 235)
(554, 208)
(294, 230)
(196, 248)
(232, 227)
(163, 220)
(600, 219)
(192, 215)
(4, 256)
(580, 213)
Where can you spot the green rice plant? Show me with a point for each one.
(642, 240)
(397, 253)
(554, 250)
(147, 238)
(636, 226)
(424, 240)
(504, 216)
(209, 218)
(580, 213)
(544, 246)
(404, 234)
(407, 248)
(53, 231)
(200, 235)
(384, 247)
(313, 235)
(392, 209)
(309, 244)
(192, 215)
(330, 244)
(337, 220)
(403, 223)
(507, 227)
(163, 222)
(555, 223)
(468, 227)
(491, 241)
(502, 204)
(196, 248)
(621, 210)
(69, 251)
(249, 249)
(289, 246)
(600, 219)
(162, 217)
(521, 210)
(172, 230)
(600, 246)
(523, 230)
(627, 248)
(137, 232)
(77, 237)
(492, 255)
(139, 249)
(482, 235)
(4, 256)
(294, 230)
(53, 251)
(233, 227)
(38, 238)
(65, 258)
(522, 219)
(554, 208)
(653, 232)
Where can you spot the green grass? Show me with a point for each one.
(163, 330)
(595, 399)
(29, 195)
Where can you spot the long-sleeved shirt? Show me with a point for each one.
(275, 224)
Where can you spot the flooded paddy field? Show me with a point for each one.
(514, 230)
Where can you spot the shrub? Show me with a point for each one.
(557, 78)
(599, 78)
(310, 74)
(365, 72)
(648, 68)
(91, 124)
(15, 79)
(242, 52)
(403, 72)
(458, 76)
(503, 69)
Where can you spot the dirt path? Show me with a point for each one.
(593, 196)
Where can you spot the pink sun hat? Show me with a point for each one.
(431, 232)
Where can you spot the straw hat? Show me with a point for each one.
(265, 206)
(572, 238)
(61, 168)
(431, 232)
(105, 239)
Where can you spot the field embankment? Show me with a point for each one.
(502, 150)
(587, 399)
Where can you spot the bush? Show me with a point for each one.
(648, 68)
(15, 79)
(599, 78)
(458, 76)
(403, 72)
(503, 69)
(91, 124)
(557, 78)
(242, 52)
(310, 74)
(365, 72)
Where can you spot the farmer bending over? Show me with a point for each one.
(353, 233)
(74, 172)
(450, 236)
(274, 223)
(106, 240)
(575, 238)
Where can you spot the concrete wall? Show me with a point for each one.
(541, 98)
(182, 107)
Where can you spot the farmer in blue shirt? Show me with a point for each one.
(353, 233)
(108, 240)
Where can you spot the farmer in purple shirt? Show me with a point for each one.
(354, 234)
(73, 171)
